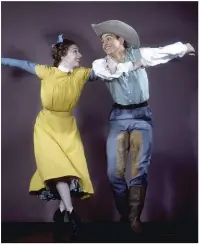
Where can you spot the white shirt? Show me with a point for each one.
(133, 87)
(150, 56)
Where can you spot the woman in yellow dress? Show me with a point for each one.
(61, 164)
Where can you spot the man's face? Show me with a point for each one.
(111, 43)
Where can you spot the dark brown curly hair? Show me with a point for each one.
(59, 50)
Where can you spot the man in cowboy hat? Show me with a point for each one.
(131, 116)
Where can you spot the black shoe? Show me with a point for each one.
(59, 217)
(74, 222)
(59, 232)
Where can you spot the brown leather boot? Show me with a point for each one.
(136, 203)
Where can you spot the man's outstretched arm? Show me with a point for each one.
(162, 55)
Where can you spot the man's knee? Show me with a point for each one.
(140, 180)
(118, 184)
(117, 153)
(111, 173)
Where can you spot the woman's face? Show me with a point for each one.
(72, 58)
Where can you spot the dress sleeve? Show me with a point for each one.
(83, 75)
(43, 71)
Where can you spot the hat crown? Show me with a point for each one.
(118, 28)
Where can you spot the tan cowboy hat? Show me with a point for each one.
(120, 29)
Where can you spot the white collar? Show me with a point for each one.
(64, 69)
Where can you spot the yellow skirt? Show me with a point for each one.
(59, 153)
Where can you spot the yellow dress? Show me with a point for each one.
(57, 144)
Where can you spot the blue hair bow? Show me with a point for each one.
(59, 39)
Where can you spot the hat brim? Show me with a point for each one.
(118, 28)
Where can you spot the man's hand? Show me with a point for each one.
(190, 49)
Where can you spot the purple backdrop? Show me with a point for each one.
(28, 31)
